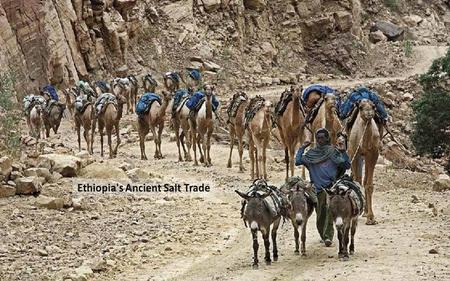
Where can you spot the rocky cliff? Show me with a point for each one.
(257, 41)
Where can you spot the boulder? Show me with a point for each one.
(38, 172)
(103, 171)
(377, 36)
(5, 166)
(344, 20)
(7, 191)
(209, 65)
(257, 5)
(211, 5)
(407, 97)
(442, 183)
(413, 20)
(27, 185)
(50, 202)
(390, 30)
(66, 165)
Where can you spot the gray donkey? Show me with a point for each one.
(260, 216)
(301, 198)
(346, 204)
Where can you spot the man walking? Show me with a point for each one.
(325, 164)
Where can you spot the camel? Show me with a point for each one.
(153, 119)
(172, 81)
(258, 132)
(122, 87)
(327, 117)
(236, 125)
(52, 116)
(134, 87)
(290, 127)
(180, 120)
(85, 117)
(365, 142)
(70, 95)
(149, 83)
(202, 126)
(36, 121)
(100, 87)
(108, 119)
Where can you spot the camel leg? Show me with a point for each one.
(86, 138)
(232, 135)
(93, 125)
(142, 134)
(101, 131)
(205, 151)
(208, 145)
(109, 135)
(241, 151)
(251, 152)
(368, 187)
(176, 128)
(286, 160)
(155, 140)
(116, 126)
(194, 145)
(200, 139)
(77, 126)
(160, 130)
(292, 158)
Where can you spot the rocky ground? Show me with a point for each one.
(64, 234)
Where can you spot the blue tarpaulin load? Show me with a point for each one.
(316, 88)
(195, 99)
(52, 91)
(362, 93)
(145, 101)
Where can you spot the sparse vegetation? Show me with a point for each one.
(408, 48)
(9, 116)
(391, 4)
(432, 113)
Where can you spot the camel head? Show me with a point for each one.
(330, 102)
(366, 109)
(210, 90)
(296, 90)
(151, 82)
(172, 81)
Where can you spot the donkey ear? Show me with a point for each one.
(243, 195)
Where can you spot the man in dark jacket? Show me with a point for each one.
(325, 164)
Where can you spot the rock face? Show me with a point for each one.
(5, 167)
(60, 41)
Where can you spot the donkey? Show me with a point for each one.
(301, 206)
(345, 215)
(259, 217)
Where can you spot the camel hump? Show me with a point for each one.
(145, 102)
(236, 101)
(281, 105)
(256, 103)
(314, 92)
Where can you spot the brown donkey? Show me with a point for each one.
(153, 119)
(260, 218)
(365, 143)
(290, 126)
(258, 124)
(236, 125)
(301, 206)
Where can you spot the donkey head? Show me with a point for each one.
(256, 211)
(366, 109)
(298, 204)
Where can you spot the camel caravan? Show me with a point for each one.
(345, 130)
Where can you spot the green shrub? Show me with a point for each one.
(432, 110)
(408, 48)
(9, 116)
(391, 4)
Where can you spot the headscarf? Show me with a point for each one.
(323, 152)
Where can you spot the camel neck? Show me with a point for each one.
(296, 109)
(208, 104)
(162, 109)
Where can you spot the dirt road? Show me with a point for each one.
(200, 236)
